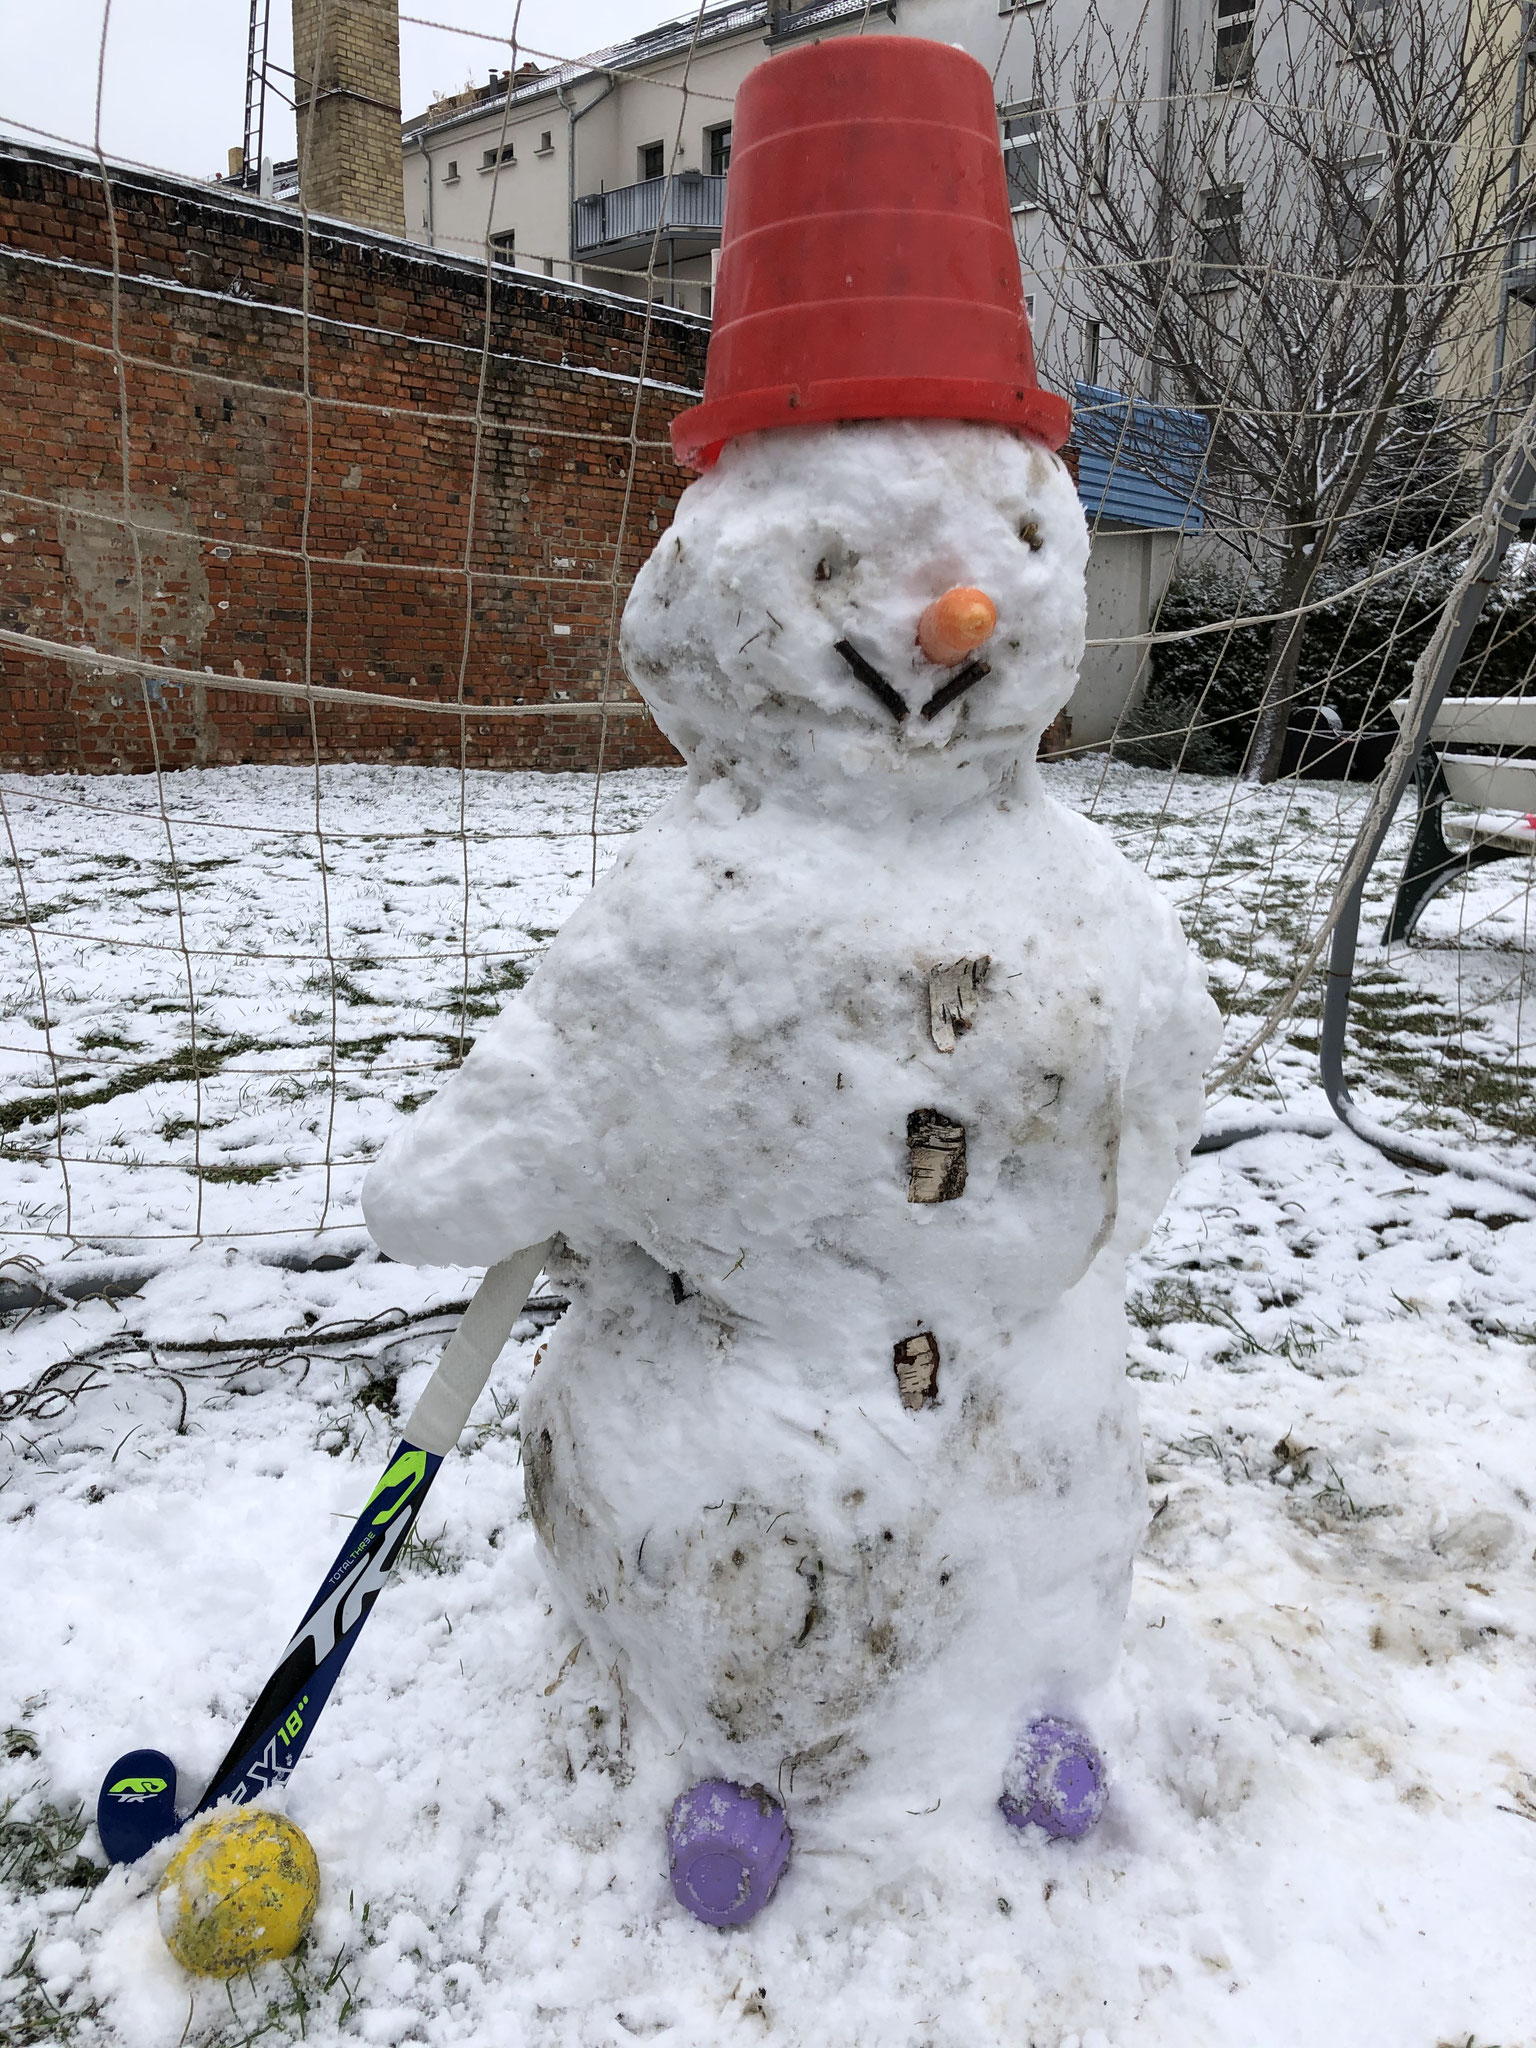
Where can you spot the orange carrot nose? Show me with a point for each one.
(955, 624)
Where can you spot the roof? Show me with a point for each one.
(670, 39)
(1139, 464)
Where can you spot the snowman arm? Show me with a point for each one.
(483, 1168)
(1177, 1033)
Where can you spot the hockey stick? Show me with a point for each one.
(137, 1806)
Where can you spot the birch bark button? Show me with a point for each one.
(936, 1157)
(954, 995)
(917, 1370)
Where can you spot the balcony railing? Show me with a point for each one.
(688, 205)
(809, 16)
(1520, 272)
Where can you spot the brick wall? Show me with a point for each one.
(209, 572)
(350, 165)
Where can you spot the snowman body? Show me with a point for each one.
(847, 1092)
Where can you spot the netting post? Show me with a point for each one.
(1433, 672)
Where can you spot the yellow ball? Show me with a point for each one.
(241, 1889)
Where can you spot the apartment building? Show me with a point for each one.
(567, 169)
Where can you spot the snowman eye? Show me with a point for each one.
(1029, 533)
(839, 560)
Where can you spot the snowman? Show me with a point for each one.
(850, 1088)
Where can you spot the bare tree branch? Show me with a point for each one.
(1305, 257)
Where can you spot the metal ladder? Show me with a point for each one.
(255, 94)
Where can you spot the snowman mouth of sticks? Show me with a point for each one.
(949, 632)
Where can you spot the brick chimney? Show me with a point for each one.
(350, 165)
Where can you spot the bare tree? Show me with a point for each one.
(1298, 229)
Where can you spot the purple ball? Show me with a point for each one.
(728, 1845)
(1054, 1780)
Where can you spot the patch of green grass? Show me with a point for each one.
(1172, 1299)
(379, 1392)
(1204, 1445)
(238, 1176)
(484, 998)
(28, 2013)
(40, 1850)
(170, 869)
(1496, 1095)
(1413, 1045)
(353, 994)
(177, 1066)
(376, 1044)
(429, 1555)
(37, 913)
(1338, 1504)
(348, 991)
(261, 2014)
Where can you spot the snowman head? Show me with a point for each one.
(892, 608)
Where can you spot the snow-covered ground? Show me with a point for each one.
(200, 966)
(1324, 1820)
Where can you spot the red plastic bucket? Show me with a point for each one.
(868, 268)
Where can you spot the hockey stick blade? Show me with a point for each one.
(137, 1806)
(131, 1816)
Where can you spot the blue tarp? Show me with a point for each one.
(1139, 464)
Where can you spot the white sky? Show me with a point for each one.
(175, 75)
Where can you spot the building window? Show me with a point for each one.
(491, 157)
(1021, 156)
(1101, 157)
(653, 160)
(1367, 24)
(719, 140)
(453, 172)
(1521, 270)
(546, 143)
(1221, 238)
(1362, 192)
(503, 245)
(1091, 336)
(1029, 308)
(1234, 41)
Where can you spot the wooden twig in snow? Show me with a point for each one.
(946, 693)
(872, 679)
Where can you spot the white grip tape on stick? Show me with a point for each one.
(437, 1421)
